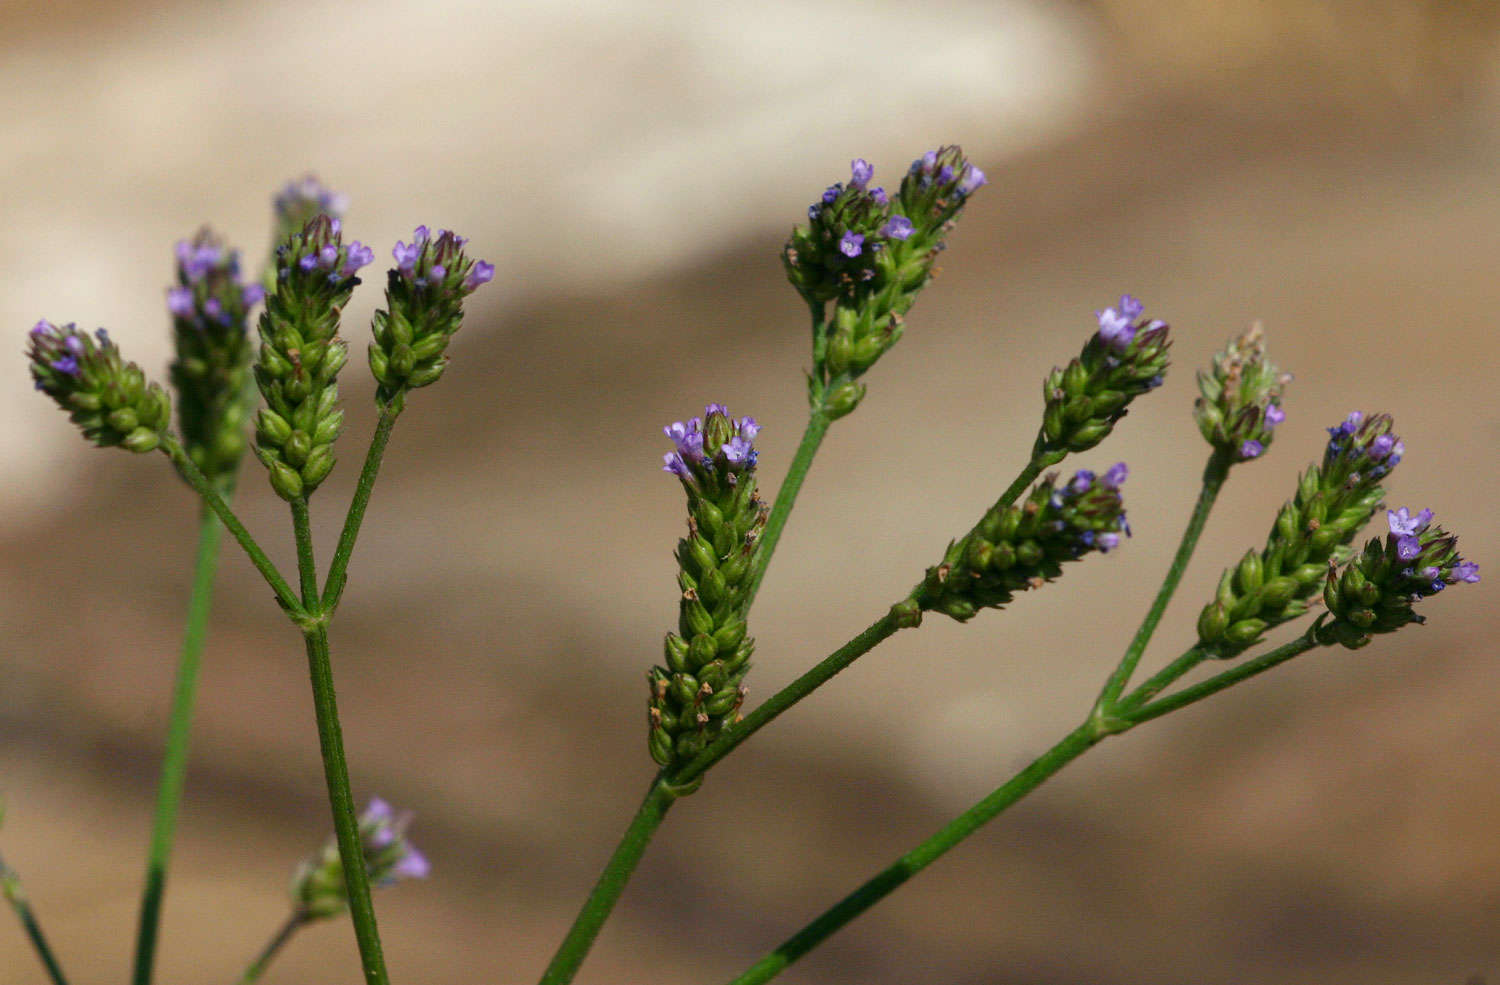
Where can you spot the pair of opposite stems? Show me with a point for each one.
(1113, 712)
(311, 612)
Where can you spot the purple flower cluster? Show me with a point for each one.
(430, 261)
(936, 169)
(1433, 564)
(59, 349)
(1118, 325)
(339, 261)
(302, 199)
(1068, 497)
(1366, 445)
(715, 442)
(209, 290)
(389, 857)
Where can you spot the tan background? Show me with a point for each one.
(632, 168)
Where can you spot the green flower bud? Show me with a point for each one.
(1240, 404)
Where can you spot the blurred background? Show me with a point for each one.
(632, 169)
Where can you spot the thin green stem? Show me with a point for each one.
(341, 800)
(175, 758)
(1219, 682)
(1069, 748)
(606, 892)
(335, 766)
(10, 886)
(307, 569)
(200, 483)
(1161, 680)
(263, 959)
(1214, 474)
(768, 710)
(333, 586)
(786, 497)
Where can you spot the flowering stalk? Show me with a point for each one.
(209, 306)
(424, 309)
(1014, 548)
(699, 691)
(1333, 501)
(301, 355)
(1084, 400)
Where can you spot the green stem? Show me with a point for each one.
(1073, 745)
(341, 800)
(174, 760)
(1161, 680)
(335, 766)
(767, 711)
(1214, 474)
(263, 960)
(606, 892)
(333, 586)
(10, 886)
(786, 498)
(1219, 682)
(307, 569)
(205, 489)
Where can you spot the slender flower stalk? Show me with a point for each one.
(15, 895)
(175, 758)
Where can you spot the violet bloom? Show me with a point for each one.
(897, 227)
(406, 257)
(1251, 449)
(862, 173)
(879, 197)
(973, 180)
(1403, 524)
(1116, 329)
(1083, 481)
(1115, 476)
(1407, 548)
(180, 301)
(252, 294)
(832, 192)
(1466, 571)
(480, 273)
(1275, 415)
(851, 244)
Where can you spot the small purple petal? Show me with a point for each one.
(413, 865)
(252, 294)
(973, 180)
(1466, 571)
(480, 273)
(1274, 415)
(1115, 476)
(180, 301)
(862, 173)
(1108, 542)
(749, 428)
(67, 364)
(1407, 548)
(898, 227)
(308, 262)
(1082, 482)
(832, 192)
(1251, 449)
(851, 244)
(879, 197)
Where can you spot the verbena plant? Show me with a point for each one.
(859, 264)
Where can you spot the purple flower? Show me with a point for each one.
(67, 364)
(1382, 446)
(879, 197)
(712, 409)
(1107, 542)
(1466, 571)
(1115, 476)
(411, 865)
(406, 257)
(832, 192)
(973, 180)
(749, 428)
(1251, 449)
(1275, 415)
(1404, 524)
(851, 244)
(737, 451)
(180, 301)
(360, 255)
(252, 294)
(1116, 329)
(436, 273)
(862, 173)
(897, 227)
(1082, 482)
(213, 309)
(673, 463)
(1407, 548)
(480, 273)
